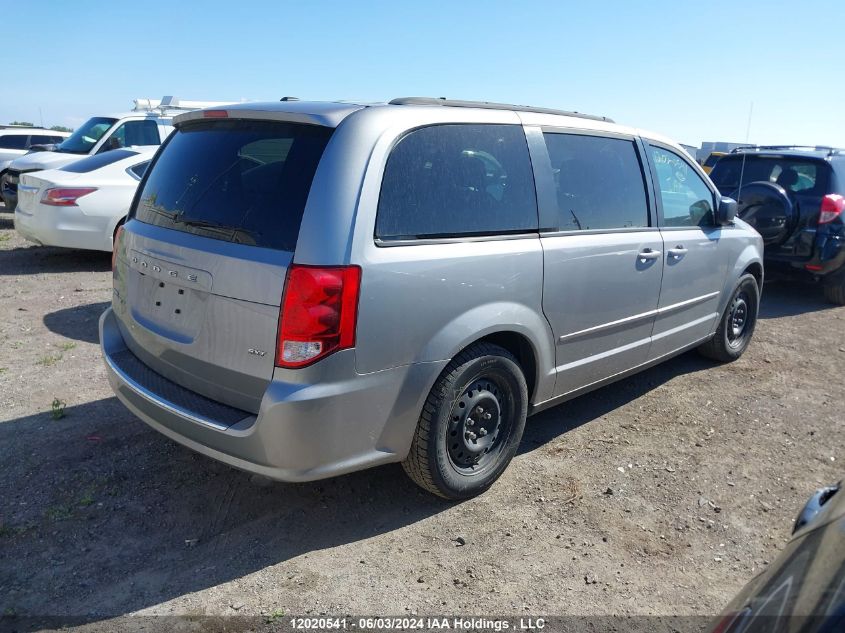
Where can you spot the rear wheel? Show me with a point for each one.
(834, 289)
(737, 325)
(471, 423)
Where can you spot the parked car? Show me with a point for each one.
(15, 141)
(307, 289)
(711, 160)
(148, 123)
(795, 197)
(804, 588)
(82, 204)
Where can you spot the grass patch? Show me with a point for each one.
(275, 614)
(57, 409)
(49, 360)
(59, 513)
(66, 347)
(5, 237)
(87, 499)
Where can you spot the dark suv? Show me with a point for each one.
(794, 197)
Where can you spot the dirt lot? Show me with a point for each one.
(661, 494)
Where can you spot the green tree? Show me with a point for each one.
(23, 123)
(61, 128)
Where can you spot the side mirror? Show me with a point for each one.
(726, 212)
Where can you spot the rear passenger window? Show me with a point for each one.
(13, 141)
(598, 181)
(687, 201)
(458, 180)
(36, 139)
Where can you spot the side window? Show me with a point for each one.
(133, 133)
(458, 180)
(13, 141)
(41, 139)
(139, 170)
(598, 181)
(687, 200)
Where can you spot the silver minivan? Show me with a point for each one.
(307, 289)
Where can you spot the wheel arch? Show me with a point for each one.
(756, 269)
(523, 350)
(748, 260)
(525, 333)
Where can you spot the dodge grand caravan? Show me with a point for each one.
(307, 289)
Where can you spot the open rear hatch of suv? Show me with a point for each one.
(201, 265)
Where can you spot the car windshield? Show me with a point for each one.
(86, 137)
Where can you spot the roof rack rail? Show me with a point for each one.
(170, 102)
(812, 148)
(489, 105)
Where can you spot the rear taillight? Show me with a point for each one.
(832, 207)
(65, 196)
(319, 311)
(215, 114)
(114, 245)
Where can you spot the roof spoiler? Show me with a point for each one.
(763, 148)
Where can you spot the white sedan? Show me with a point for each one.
(82, 204)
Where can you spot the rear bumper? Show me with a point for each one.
(826, 255)
(67, 227)
(306, 428)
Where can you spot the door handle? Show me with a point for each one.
(647, 254)
(677, 252)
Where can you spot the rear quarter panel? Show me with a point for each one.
(422, 302)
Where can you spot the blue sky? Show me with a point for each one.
(687, 69)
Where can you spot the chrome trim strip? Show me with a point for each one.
(632, 229)
(608, 326)
(639, 317)
(164, 404)
(687, 303)
(455, 240)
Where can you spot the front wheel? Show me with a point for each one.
(737, 325)
(471, 423)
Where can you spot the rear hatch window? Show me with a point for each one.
(235, 180)
(794, 174)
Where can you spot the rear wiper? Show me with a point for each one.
(575, 217)
(222, 228)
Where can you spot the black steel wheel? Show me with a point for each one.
(736, 327)
(471, 424)
(481, 421)
(738, 319)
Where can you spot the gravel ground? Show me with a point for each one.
(661, 494)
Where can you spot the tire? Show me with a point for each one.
(471, 423)
(737, 324)
(834, 290)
